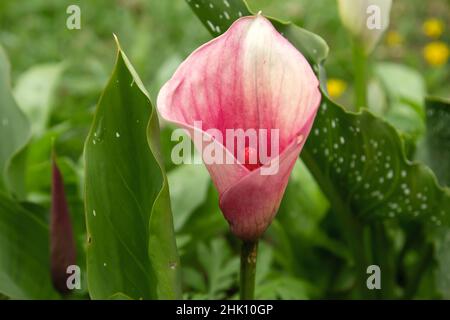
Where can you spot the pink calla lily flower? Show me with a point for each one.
(250, 77)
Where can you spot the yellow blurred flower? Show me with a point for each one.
(336, 87)
(436, 53)
(393, 39)
(433, 27)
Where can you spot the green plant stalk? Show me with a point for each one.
(360, 75)
(249, 253)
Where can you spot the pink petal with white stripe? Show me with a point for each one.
(250, 77)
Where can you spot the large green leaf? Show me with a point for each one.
(217, 16)
(402, 83)
(15, 133)
(131, 246)
(24, 253)
(359, 161)
(34, 96)
(405, 90)
(188, 190)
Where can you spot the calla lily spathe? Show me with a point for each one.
(250, 77)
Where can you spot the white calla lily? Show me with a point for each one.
(365, 19)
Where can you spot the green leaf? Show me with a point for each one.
(304, 196)
(405, 90)
(13, 125)
(220, 267)
(402, 83)
(359, 161)
(34, 96)
(193, 279)
(217, 16)
(206, 222)
(264, 266)
(188, 190)
(119, 296)
(131, 244)
(24, 253)
(270, 284)
(283, 287)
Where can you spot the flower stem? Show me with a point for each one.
(249, 253)
(360, 75)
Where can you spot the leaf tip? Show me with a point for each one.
(117, 42)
